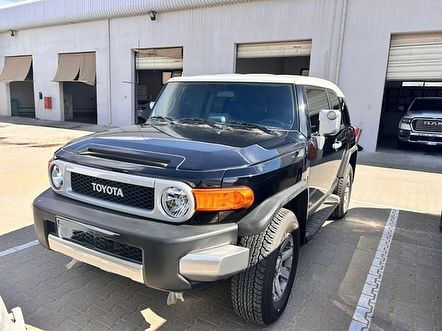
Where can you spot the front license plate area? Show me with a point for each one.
(66, 229)
(97, 239)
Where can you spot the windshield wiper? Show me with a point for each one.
(162, 119)
(250, 126)
(196, 120)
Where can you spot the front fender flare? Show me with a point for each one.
(259, 218)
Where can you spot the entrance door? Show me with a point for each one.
(18, 72)
(153, 68)
(77, 74)
(414, 70)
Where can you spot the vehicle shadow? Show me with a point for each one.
(331, 272)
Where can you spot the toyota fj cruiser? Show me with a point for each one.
(228, 177)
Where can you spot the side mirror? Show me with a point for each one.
(151, 104)
(329, 121)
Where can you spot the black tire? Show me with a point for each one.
(342, 208)
(252, 290)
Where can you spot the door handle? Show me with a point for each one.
(337, 145)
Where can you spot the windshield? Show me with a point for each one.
(427, 104)
(269, 105)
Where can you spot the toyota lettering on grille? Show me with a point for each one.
(111, 190)
(433, 123)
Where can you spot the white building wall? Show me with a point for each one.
(44, 44)
(209, 36)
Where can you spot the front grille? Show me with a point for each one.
(131, 195)
(107, 246)
(424, 125)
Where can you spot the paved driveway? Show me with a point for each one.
(374, 263)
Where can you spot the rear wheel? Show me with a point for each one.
(343, 190)
(261, 292)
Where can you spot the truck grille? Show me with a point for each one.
(107, 246)
(424, 125)
(116, 192)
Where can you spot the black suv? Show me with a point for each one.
(228, 177)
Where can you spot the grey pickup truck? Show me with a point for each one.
(422, 124)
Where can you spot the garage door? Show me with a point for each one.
(275, 49)
(415, 56)
(279, 58)
(159, 58)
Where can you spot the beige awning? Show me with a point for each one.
(76, 64)
(16, 68)
(87, 69)
(68, 67)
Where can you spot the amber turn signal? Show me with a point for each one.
(220, 199)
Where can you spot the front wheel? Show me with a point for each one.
(261, 292)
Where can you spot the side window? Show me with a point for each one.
(338, 104)
(317, 100)
(334, 101)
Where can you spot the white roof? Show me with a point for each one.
(263, 78)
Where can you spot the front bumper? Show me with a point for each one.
(174, 257)
(423, 138)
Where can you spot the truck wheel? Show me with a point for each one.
(343, 190)
(261, 292)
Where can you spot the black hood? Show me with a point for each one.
(186, 147)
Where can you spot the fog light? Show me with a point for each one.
(57, 177)
(404, 133)
(175, 202)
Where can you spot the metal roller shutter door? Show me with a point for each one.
(275, 49)
(415, 56)
(159, 59)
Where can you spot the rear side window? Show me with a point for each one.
(338, 104)
(317, 100)
(334, 101)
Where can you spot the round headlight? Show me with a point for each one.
(175, 202)
(57, 177)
